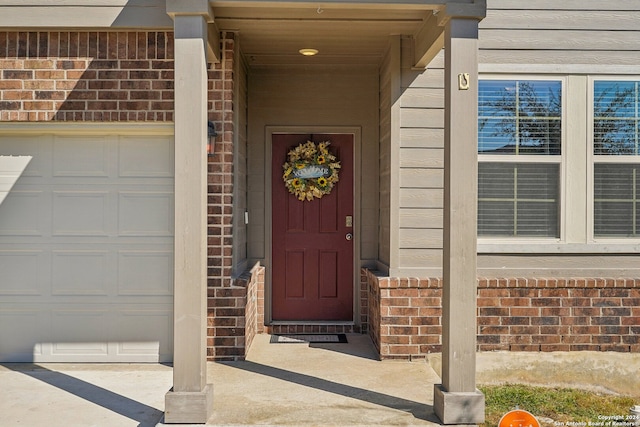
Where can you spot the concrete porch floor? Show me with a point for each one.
(322, 384)
(286, 385)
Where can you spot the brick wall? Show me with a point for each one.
(236, 315)
(254, 323)
(364, 302)
(220, 177)
(226, 323)
(226, 336)
(559, 314)
(86, 76)
(404, 315)
(513, 314)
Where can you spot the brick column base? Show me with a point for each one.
(404, 315)
(236, 315)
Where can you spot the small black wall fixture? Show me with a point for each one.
(211, 137)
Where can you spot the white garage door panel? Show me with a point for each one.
(80, 213)
(11, 167)
(95, 333)
(21, 213)
(145, 273)
(22, 334)
(80, 273)
(80, 332)
(80, 156)
(145, 214)
(135, 346)
(21, 272)
(86, 249)
(133, 156)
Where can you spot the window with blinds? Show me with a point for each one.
(519, 155)
(616, 149)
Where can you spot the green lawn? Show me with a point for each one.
(562, 405)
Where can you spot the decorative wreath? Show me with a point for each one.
(311, 170)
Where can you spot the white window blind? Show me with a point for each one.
(616, 200)
(518, 199)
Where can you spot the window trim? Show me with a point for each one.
(505, 244)
(633, 243)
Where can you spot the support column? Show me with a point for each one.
(191, 398)
(456, 400)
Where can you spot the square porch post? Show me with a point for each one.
(191, 398)
(456, 400)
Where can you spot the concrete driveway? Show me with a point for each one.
(287, 385)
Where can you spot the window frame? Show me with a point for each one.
(531, 243)
(602, 158)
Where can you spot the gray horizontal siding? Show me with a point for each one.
(84, 14)
(421, 165)
(561, 32)
(593, 20)
(562, 265)
(520, 33)
(578, 5)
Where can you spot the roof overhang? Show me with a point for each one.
(343, 32)
(269, 32)
(272, 33)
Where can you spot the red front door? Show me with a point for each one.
(312, 252)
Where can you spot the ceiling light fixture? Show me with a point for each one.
(308, 52)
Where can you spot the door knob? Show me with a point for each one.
(349, 236)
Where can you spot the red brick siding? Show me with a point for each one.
(220, 178)
(86, 76)
(235, 316)
(514, 314)
(559, 314)
(373, 307)
(364, 303)
(404, 316)
(226, 323)
(225, 343)
(255, 305)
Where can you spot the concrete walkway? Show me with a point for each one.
(285, 385)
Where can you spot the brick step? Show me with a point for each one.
(311, 328)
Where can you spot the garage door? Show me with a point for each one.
(86, 248)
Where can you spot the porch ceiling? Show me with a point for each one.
(342, 35)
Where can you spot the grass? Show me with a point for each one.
(561, 405)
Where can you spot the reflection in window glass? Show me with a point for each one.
(519, 117)
(616, 118)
